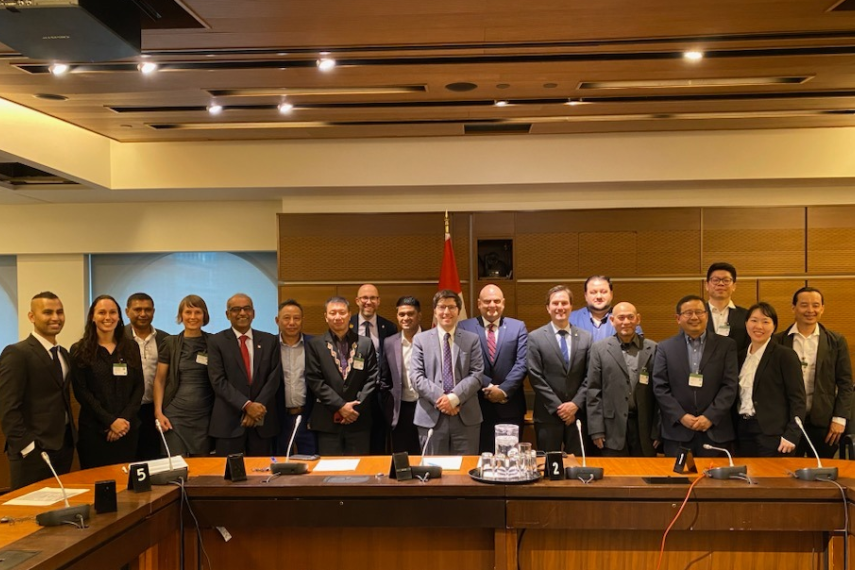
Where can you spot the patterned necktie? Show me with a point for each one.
(342, 357)
(244, 352)
(447, 374)
(491, 341)
(563, 344)
(57, 365)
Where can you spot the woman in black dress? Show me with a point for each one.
(107, 378)
(183, 397)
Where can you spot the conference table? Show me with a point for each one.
(362, 519)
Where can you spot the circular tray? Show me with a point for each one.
(474, 474)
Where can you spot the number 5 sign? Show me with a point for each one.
(138, 480)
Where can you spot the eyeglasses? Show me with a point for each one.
(369, 299)
(721, 280)
(443, 308)
(238, 310)
(690, 314)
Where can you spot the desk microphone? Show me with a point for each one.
(287, 468)
(71, 515)
(818, 472)
(584, 472)
(172, 475)
(725, 472)
(422, 470)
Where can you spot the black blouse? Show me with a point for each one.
(103, 396)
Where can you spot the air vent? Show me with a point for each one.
(18, 176)
(698, 82)
(496, 128)
(844, 6)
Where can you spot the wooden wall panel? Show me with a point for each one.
(831, 239)
(758, 241)
(837, 294)
(655, 300)
(745, 294)
(669, 252)
(312, 298)
(608, 253)
(780, 294)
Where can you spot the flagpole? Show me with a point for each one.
(446, 222)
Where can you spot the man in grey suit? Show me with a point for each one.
(695, 380)
(620, 403)
(447, 370)
(557, 367)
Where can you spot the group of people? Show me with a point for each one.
(366, 385)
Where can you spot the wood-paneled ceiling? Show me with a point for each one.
(437, 68)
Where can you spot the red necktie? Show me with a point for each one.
(491, 342)
(247, 363)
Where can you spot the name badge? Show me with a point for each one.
(120, 369)
(358, 363)
(696, 380)
(643, 378)
(723, 330)
(202, 359)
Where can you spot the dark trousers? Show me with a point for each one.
(32, 468)
(696, 446)
(405, 435)
(752, 442)
(559, 437)
(250, 444)
(632, 445)
(345, 442)
(450, 437)
(305, 442)
(149, 445)
(379, 437)
(817, 436)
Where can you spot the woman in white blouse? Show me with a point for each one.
(771, 390)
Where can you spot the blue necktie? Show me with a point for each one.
(563, 344)
(447, 374)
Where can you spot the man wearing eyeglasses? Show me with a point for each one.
(242, 365)
(369, 324)
(695, 379)
(726, 319)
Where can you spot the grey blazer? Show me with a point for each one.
(553, 381)
(426, 375)
(608, 393)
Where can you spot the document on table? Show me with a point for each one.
(44, 497)
(336, 465)
(161, 465)
(451, 463)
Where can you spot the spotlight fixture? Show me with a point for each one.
(573, 102)
(693, 55)
(285, 107)
(215, 109)
(59, 68)
(501, 103)
(147, 68)
(326, 63)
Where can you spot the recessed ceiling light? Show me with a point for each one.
(285, 107)
(59, 68)
(693, 55)
(215, 109)
(325, 63)
(501, 103)
(147, 67)
(50, 97)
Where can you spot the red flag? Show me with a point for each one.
(448, 276)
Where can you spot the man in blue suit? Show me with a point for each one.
(447, 370)
(503, 343)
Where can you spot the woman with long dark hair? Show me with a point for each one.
(183, 396)
(107, 378)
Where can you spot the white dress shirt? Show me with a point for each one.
(746, 380)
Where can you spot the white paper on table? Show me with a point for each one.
(44, 497)
(161, 465)
(336, 465)
(451, 463)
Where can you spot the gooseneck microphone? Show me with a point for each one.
(288, 468)
(733, 471)
(68, 515)
(424, 447)
(426, 471)
(818, 472)
(584, 472)
(172, 474)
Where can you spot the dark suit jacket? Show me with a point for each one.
(552, 380)
(231, 386)
(509, 370)
(331, 390)
(391, 382)
(385, 329)
(33, 405)
(779, 391)
(609, 390)
(713, 400)
(736, 319)
(832, 391)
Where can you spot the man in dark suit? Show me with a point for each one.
(725, 318)
(342, 372)
(369, 324)
(294, 399)
(242, 365)
(447, 370)
(557, 367)
(504, 342)
(140, 312)
(35, 407)
(398, 396)
(695, 381)
(827, 372)
(622, 412)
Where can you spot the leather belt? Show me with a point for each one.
(294, 411)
